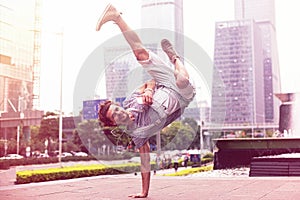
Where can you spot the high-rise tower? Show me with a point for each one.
(165, 14)
(238, 98)
(19, 55)
(246, 61)
(263, 13)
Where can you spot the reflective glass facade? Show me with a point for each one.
(17, 50)
(238, 97)
(247, 53)
(263, 13)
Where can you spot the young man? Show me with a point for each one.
(153, 105)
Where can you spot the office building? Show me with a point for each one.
(164, 15)
(19, 55)
(238, 97)
(20, 34)
(246, 71)
(263, 13)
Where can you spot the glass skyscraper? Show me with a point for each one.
(19, 55)
(263, 12)
(246, 63)
(238, 98)
(165, 15)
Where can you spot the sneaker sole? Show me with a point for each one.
(99, 24)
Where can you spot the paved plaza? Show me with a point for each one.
(118, 187)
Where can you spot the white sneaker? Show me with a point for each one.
(109, 14)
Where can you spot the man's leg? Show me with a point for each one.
(145, 171)
(181, 74)
(111, 14)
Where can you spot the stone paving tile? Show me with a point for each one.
(230, 185)
(162, 188)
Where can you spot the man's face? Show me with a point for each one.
(118, 115)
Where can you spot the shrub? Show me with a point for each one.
(206, 160)
(209, 155)
(78, 171)
(186, 172)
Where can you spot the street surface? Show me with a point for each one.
(216, 185)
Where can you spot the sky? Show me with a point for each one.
(76, 20)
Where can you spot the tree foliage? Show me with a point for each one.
(36, 142)
(49, 127)
(177, 135)
(91, 136)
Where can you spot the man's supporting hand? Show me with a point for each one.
(145, 171)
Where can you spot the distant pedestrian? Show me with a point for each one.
(185, 161)
(169, 163)
(175, 162)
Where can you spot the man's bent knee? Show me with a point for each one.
(181, 81)
(141, 54)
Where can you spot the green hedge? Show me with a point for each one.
(30, 176)
(78, 171)
(186, 172)
(204, 161)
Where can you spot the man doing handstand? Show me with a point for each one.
(156, 103)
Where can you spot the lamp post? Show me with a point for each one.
(20, 127)
(60, 37)
(60, 34)
(201, 124)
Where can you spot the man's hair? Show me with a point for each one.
(114, 133)
(103, 108)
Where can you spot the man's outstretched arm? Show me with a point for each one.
(145, 171)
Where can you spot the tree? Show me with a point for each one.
(69, 146)
(49, 129)
(184, 133)
(36, 143)
(89, 135)
(191, 122)
(77, 141)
